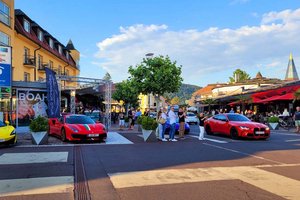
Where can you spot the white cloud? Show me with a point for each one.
(207, 56)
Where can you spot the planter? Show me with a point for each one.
(39, 138)
(149, 135)
(273, 126)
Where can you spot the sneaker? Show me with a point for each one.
(174, 140)
(164, 140)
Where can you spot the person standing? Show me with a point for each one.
(297, 119)
(172, 118)
(162, 124)
(181, 115)
(202, 118)
(130, 117)
(121, 120)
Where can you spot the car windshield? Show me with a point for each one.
(238, 118)
(79, 119)
(2, 124)
(191, 115)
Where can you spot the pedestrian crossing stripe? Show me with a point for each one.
(287, 188)
(30, 186)
(33, 157)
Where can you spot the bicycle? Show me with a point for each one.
(286, 122)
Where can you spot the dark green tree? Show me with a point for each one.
(156, 76)
(240, 75)
(127, 93)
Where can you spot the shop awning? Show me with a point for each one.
(285, 97)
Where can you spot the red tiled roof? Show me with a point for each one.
(33, 37)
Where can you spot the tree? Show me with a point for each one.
(240, 75)
(296, 95)
(156, 75)
(107, 77)
(125, 92)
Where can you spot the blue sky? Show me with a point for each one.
(210, 39)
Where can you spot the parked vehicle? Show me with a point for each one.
(236, 125)
(7, 133)
(191, 118)
(75, 127)
(187, 128)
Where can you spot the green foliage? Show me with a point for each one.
(175, 101)
(242, 76)
(273, 119)
(296, 95)
(149, 123)
(140, 119)
(39, 124)
(126, 92)
(156, 75)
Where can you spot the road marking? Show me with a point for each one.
(29, 186)
(296, 140)
(246, 154)
(209, 139)
(287, 188)
(27, 158)
(291, 134)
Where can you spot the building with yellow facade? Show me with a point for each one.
(32, 48)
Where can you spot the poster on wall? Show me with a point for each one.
(31, 104)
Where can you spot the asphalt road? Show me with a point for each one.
(216, 168)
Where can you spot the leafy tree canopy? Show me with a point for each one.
(156, 75)
(175, 101)
(125, 92)
(240, 74)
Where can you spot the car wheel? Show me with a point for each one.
(234, 133)
(63, 135)
(208, 130)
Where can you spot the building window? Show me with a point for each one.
(4, 39)
(59, 70)
(26, 55)
(51, 43)
(51, 64)
(59, 49)
(26, 25)
(41, 79)
(4, 13)
(26, 76)
(40, 61)
(40, 35)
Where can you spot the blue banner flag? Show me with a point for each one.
(52, 94)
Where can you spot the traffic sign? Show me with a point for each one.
(5, 92)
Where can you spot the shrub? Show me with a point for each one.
(140, 119)
(273, 119)
(149, 123)
(39, 124)
(126, 119)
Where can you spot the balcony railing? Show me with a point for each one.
(42, 67)
(29, 61)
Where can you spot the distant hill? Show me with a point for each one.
(185, 93)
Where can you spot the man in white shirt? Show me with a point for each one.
(172, 118)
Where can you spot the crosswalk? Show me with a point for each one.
(39, 184)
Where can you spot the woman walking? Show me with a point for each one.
(162, 119)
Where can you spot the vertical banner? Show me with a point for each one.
(52, 94)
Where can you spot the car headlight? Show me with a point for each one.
(74, 129)
(244, 127)
(13, 132)
(267, 128)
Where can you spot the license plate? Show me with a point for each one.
(93, 135)
(260, 132)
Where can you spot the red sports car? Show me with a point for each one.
(75, 127)
(236, 125)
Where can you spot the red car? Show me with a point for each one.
(75, 127)
(236, 125)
